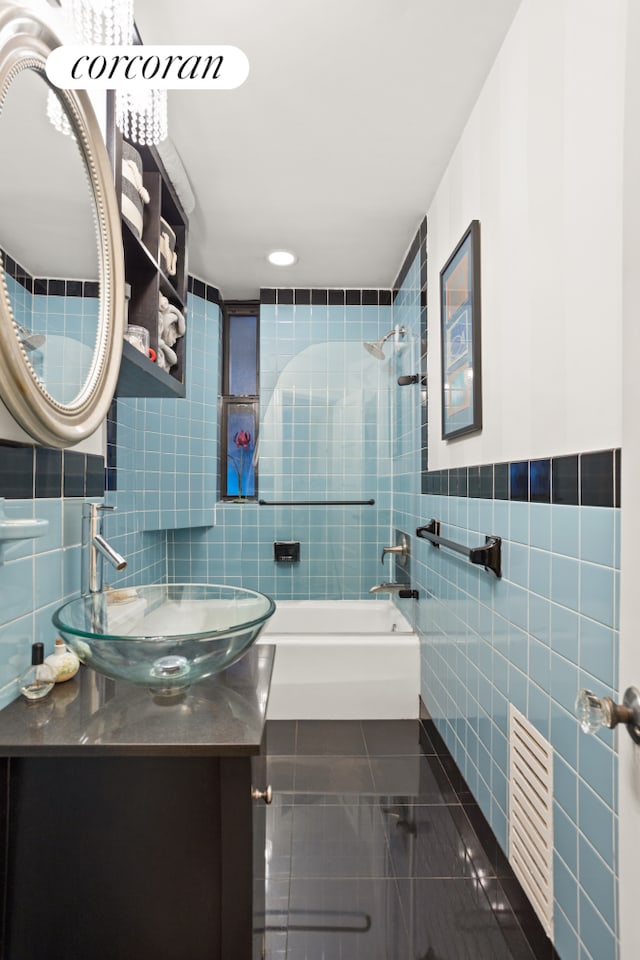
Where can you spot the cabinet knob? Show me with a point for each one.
(594, 712)
(266, 795)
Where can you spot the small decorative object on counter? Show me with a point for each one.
(64, 662)
(168, 248)
(134, 193)
(40, 678)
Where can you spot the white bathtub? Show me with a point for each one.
(342, 660)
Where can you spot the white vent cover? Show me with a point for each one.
(531, 814)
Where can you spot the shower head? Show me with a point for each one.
(30, 341)
(375, 349)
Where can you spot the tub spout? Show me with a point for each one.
(403, 590)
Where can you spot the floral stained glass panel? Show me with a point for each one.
(241, 450)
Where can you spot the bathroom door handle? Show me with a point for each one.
(594, 712)
(266, 795)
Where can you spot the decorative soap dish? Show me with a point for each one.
(18, 528)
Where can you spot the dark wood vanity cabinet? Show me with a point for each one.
(133, 858)
(129, 827)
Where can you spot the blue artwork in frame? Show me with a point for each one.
(460, 336)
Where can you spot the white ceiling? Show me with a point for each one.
(334, 146)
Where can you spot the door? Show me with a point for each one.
(629, 760)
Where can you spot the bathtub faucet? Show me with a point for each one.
(403, 590)
(94, 548)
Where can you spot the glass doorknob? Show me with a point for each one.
(594, 712)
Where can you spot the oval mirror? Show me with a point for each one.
(61, 255)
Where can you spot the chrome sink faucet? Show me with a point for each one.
(94, 548)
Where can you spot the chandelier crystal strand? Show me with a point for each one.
(141, 115)
(57, 115)
(107, 22)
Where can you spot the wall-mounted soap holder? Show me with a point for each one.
(18, 528)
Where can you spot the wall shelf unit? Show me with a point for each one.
(139, 377)
(147, 272)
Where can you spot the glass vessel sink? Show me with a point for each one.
(163, 636)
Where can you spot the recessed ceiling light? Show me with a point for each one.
(281, 258)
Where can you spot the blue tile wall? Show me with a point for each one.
(36, 576)
(533, 638)
(326, 417)
(68, 322)
(167, 452)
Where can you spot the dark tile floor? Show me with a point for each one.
(375, 849)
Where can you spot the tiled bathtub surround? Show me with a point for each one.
(325, 435)
(534, 638)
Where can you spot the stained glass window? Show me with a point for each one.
(239, 422)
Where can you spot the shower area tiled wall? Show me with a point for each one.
(533, 638)
(325, 436)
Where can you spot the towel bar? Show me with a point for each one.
(489, 556)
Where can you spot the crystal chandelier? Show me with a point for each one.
(141, 115)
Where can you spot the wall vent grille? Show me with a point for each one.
(531, 814)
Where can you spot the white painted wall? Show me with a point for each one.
(629, 763)
(540, 165)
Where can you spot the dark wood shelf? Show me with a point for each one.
(147, 275)
(140, 377)
(139, 259)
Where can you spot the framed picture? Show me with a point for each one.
(460, 337)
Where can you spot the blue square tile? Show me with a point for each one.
(595, 766)
(597, 937)
(597, 593)
(540, 572)
(564, 681)
(538, 708)
(519, 522)
(565, 837)
(565, 530)
(565, 937)
(564, 734)
(565, 581)
(516, 564)
(565, 632)
(597, 534)
(565, 890)
(565, 787)
(539, 618)
(595, 820)
(539, 663)
(598, 647)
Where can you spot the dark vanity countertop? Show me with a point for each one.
(92, 716)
